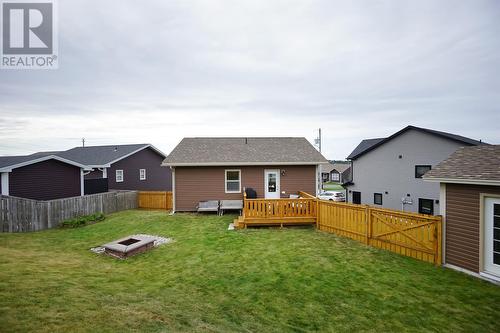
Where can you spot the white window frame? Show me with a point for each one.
(119, 176)
(141, 176)
(232, 181)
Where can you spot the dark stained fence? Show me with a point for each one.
(93, 186)
(23, 215)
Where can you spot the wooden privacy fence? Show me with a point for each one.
(155, 200)
(414, 235)
(22, 215)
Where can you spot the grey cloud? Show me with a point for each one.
(157, 72)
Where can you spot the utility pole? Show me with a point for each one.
(319, 182)
(317, 141)
(83, 142)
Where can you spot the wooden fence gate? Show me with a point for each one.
(409, 234)
(155, 200)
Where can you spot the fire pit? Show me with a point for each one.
(129, 246)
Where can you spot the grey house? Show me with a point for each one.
(122, 167)
(388, 171)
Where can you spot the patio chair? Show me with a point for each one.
(230, 205)
(208, 206)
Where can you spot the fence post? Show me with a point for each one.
(368, 216)
(438, 236)
(317, 212)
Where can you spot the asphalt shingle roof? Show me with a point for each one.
(340, 167)
(6, 161)
(364, 146)
(100, 155)
(241, 150)
(370, 144)
(469, 163)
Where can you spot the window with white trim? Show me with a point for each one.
(119, 176)
(142, 174)
(233, 181)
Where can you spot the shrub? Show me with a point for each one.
(82, 220)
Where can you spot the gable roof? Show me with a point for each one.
(363, 146)
(370, 144)
(469, 165)
(104, 156)
(7, 163)
(340, 167)
(244, 151)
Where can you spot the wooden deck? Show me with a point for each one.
(278, 212)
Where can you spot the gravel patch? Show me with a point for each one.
(159, 240)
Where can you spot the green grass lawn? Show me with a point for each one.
(212, 279)
(330, 186)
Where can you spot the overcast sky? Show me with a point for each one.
(157, 71)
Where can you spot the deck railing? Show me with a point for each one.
(279, 208)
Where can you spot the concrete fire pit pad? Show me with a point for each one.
(129, 243)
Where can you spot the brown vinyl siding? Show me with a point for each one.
(195, 184)
(45, 180)
(158, 178)
(463, 224)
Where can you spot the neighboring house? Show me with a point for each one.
(220, 168)
(41, 177)
(332, 172)
(388, 171)
(122, 167)
(470, 206)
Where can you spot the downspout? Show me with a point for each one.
(317, 176)
(442, 212)
(173, 190)
(82, 182)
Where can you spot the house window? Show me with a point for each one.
(426, 206)
(377, 198)
(233, 181)
(356, 197)
(142, 174)
(420, 170)
(119, 176)
(325, 177)
(335, 176)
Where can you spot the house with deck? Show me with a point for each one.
(205, 169)
(387, 172)
(122, 167)
(469, 183)
(41, 176)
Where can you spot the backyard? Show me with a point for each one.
(212, 279)
(331, 186)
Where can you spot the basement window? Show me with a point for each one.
(233, 181)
